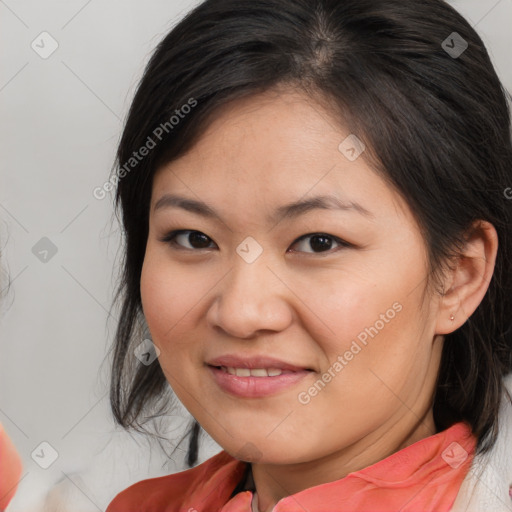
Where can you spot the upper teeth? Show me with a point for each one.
(252, 372)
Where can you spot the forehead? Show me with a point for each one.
(272, 148)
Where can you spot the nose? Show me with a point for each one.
(251, 300)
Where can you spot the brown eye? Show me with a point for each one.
(320, 242)
(194, 239)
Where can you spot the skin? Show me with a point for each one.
(297, 303)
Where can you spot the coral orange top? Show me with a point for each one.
(424, 476)
(10, 469)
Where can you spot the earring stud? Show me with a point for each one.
(452, 318)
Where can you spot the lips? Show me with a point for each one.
(255, 377)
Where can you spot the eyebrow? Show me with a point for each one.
(287, 211)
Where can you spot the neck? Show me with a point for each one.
(274, 482)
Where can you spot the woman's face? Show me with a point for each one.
(333, 295)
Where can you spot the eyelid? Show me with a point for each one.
(338, 240)
(170, 237)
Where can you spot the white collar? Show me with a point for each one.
(487, 486)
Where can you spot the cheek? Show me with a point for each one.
(155, 291)
(172, 305)
(164, 296)
(382, 353)
(167, 289)
(357, 307)
(373, 319)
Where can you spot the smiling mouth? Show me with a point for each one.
(256, 382)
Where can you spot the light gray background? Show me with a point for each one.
(61, 120)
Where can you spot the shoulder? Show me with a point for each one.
(10, 469)
(172, 492)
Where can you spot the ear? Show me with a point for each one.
(467, 282)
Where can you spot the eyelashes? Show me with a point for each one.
(320, 241)
(171, 238)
